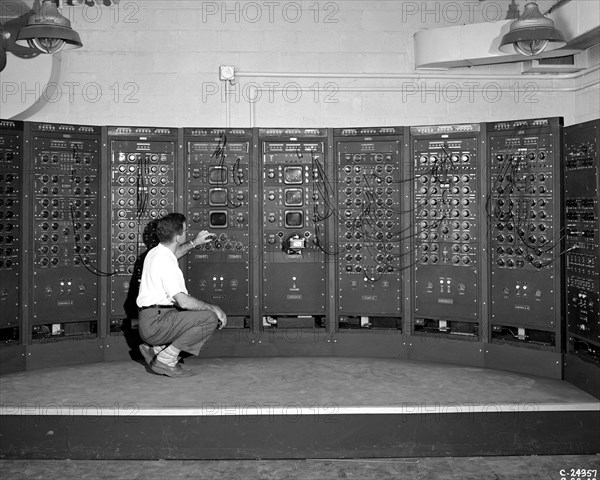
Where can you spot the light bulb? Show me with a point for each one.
(530, 47)
(48, 45)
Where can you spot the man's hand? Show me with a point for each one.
(220, 315)
(203, 237)
(187, 302)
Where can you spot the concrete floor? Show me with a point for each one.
(470, 468)
(332, 383)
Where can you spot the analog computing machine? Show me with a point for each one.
(483, 233)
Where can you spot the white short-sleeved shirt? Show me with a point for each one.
(162, 278)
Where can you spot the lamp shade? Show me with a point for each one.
(48, 31)
(532, 33)
(2, 52)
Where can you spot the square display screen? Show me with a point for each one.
(294, 219)
(217, 175)
(217, 196)
(292, 175)
(218, 219)
(294, 197)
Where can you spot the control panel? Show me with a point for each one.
(296, 203)
(219, 184)
(446, 225)
(65, 211)
(11, 182)
(523, 210)
(581, 167)
(369, 185)
(142, 162)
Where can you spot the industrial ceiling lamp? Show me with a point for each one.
(48, 31)
(532, 33)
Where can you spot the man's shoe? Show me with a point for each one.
(185, 367)
(147, 352)
(164, 369)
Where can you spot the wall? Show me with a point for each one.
(338, 63)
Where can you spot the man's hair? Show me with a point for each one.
(169, 226)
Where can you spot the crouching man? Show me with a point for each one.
(171, 320)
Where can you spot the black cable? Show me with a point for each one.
(77, 238)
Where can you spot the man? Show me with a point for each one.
(171, 320)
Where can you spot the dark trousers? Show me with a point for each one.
(184, 329)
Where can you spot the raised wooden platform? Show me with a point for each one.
(317, 407)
